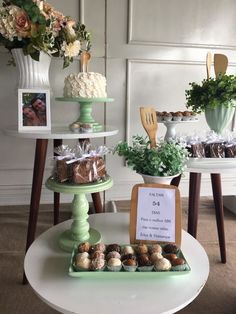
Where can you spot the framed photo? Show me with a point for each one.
(34, 110)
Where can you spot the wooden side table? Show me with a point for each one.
(215, 168)
(57, 134)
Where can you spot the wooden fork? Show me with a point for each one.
(149, 122)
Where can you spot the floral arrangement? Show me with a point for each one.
(35, 26)
(166, 159)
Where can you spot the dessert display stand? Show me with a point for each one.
(85, 106)
(171, 125)
(57, 134)
(80, 230)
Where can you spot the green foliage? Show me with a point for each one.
(166, 159)
(211, 93)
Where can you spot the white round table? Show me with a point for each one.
(46, 268)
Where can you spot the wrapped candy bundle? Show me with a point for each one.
(214, 146)
(63, 170)
(86, 164)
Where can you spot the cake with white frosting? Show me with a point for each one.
(88, 85)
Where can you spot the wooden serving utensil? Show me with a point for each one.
(208, 64)
(220, 63)
(149, 122)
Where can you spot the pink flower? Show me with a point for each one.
(22, 24)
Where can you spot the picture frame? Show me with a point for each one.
(34, 110)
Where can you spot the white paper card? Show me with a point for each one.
(156, 214)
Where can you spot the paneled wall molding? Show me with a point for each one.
(132, 41)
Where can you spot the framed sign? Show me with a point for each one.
(34, 110)
(155, 214)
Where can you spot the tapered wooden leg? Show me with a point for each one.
(56, 196)
(176, 181)
(39, 165)
(219, 210)
(97, 203)
(193, 202)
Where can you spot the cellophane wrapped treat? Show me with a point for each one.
(86, 165)
(214, 146)
(63, 170)
(195, 146)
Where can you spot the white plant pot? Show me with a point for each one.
(32, 74)
(157, 179)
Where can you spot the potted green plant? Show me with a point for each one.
(216, 98)
(159, 164)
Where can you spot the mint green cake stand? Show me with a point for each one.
(80, 230)
(86, 109)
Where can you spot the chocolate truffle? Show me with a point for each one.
(178, 261)
(143, 260)
(100, 247)
(170, 256)
(170, 248)
(162, 264)
(81, 255)
(97, 264)
(114, 262)
(128, 250)
(155, 256)
(130, 262)
(84, 247)
(113, 254)
(84, 263)
(142, 249)
(128, 256)
(97, 254)
(155, 248)
(113, 247)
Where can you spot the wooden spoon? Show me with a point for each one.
(220, 64)
(149, 122)
(208, 64)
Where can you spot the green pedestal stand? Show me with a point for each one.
(80, 230)
(86, 109)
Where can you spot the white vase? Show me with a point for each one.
(32, 74)
(157, 179)
(220, 117)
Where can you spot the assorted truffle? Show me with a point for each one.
(176, 116)
(139, 257)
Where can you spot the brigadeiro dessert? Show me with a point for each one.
(186, 115)
(177, 116)
(114, 264)
(170, 256)
(171, 248)
(81, 255)
(127, 249)
(100, 247)
(178, 264)
(97, 254)
(130, 264)
(83, 263)
(84, 247)
(143, 260)
(113, 254)
(155, 256)
(155, 248)
(162, 264)
(113, 247)
(142, 249)
(97, 264)
(128, 256)
(167, 116)
(159, 116)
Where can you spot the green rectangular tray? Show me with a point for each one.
(122, 273)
